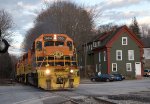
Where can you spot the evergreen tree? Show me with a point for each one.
(135, 27)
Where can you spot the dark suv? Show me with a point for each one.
(147, 72)
(103, 77)
(118, 77)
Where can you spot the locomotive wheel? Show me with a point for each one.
(93, 80)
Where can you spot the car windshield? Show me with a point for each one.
(145, 70)
(116, 74)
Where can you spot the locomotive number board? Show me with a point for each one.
(61, 38)
(47, 38)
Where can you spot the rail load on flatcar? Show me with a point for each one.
(50, 64)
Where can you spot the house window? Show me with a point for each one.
(94, 44)
(119, 55)
(104, 55)
(99, 57)
(91, 46)
(130, 54)
(98, 43)
(114, 67)
(128, 67)
(124, 41)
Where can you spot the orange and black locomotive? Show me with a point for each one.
(51, 64)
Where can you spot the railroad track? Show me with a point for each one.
(63, 97)
(76, 98)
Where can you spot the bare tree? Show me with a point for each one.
(106, 28)
(5, 24)
(62, 17)
(145, 31)
(5, 60)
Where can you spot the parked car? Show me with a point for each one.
(147, 72)
(118, 77)
(103, 77)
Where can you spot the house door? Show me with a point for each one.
(138, 68)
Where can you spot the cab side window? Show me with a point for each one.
(39, 45)
(69, 44)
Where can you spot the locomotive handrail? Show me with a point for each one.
(42, 62)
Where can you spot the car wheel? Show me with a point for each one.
(107, 80)
(146, 75)
(93, 80)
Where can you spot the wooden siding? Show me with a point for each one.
(103, 63)
(121, 65)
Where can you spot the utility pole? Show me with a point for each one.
(0, 40)
(85, 57)
(0, 35)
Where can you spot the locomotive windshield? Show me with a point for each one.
(49, 43)
(52, 43)
(59, 43)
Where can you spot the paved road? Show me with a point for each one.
(115, 88)
(119, 92)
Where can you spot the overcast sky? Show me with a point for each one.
(116, 11)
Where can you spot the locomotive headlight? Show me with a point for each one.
(71, 71)
(47, 72)
(55, 37)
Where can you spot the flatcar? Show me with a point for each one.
(50, 64)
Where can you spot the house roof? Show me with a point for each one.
(108, 38)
